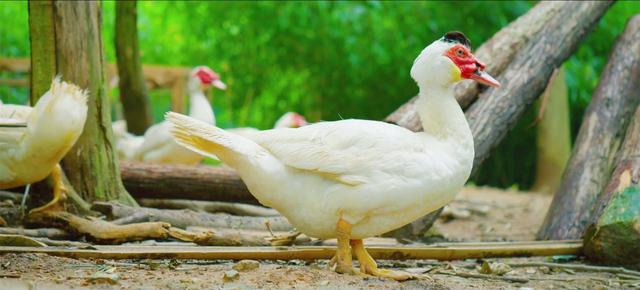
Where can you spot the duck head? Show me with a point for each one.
(449, 60)
(202, 77)
(291, 120)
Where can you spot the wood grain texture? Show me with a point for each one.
(602, 131)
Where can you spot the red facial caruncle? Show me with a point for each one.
(299, 120)
(470, 67)
(206, 75)
(209, 77)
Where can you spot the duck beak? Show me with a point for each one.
(219, 84)
(484, 78)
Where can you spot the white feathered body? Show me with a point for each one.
(376, 176)
(28, 154)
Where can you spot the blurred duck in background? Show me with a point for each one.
(156, 145)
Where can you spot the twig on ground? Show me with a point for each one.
(586, 268)
(485, 276)
(15, 197)
(40, 233)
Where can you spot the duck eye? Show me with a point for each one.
(459, 52)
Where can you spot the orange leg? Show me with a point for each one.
(58, 193)
(369, 266)
(343, 258)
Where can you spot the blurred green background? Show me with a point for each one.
(327, 60)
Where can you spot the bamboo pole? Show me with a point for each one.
(442, 252)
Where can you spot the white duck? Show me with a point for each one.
(287, 120)
(126, 143)
(30, 153)
(157, 145)
(353, 179)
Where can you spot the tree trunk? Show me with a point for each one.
(67, 41)
(553, 135)
(133, 93)
(145, 180)
(592, 159)
(523, 55)
(615, 236)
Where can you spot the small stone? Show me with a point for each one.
(246, 265)
(530, 271)
(102, 277)
(230, 275)
(324, 283)
(494, 268)
(544, 269)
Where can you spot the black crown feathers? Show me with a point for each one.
(457, 37)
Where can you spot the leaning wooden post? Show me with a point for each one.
(67, 37)
(599, 138)
(133, 92)
(615, 236)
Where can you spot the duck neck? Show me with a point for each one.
(199, 106)
(442, 117)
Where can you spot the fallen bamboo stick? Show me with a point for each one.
(233, 208)
(457, 252)
(485, 276)
(584, 268)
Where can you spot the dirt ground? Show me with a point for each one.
(482, 215)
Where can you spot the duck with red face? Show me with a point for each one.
(353, 179)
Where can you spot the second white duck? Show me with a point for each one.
(157, 146)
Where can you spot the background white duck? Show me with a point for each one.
(287, 120)
(353, 179)
(157, 145)
(126, 143)
(30, 153)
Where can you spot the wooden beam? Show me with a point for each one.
(438, 252)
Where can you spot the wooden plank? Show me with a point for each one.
(443, 252)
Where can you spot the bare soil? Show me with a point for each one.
(510, 216)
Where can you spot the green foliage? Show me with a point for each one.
(327, 60)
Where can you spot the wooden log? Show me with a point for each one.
(599, 138)
(133, 93)
(185, 218)
(451, 252)
(614, 238)
(145, 180)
